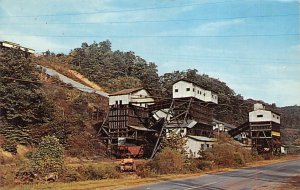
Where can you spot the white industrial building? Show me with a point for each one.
(261, 115)
(186, 89)
(136, 96)
(196, 144)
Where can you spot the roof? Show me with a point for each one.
(190, 124)
(140, 128)
(225, 124)
(126, 91)
(202, 138)
(12, 43)
(272, 111)
(193, 82)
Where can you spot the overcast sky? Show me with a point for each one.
(252, 45)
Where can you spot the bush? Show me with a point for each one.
(239, 159)
(200, 165)
(228, 153)
(71, 174)
(144, 170)
(99, 171)
(168, 161)
(10, 145)
(48, 157)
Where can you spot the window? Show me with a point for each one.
(193, 89)
(207, 145)
(198, 91)
(277, 117)
(181, 130)
(260, 116)
(188, 89)
(120, 102)
(176, 90)
(273, 115)
(117, 102)
(203, 94)
(202, 146)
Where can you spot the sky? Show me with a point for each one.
(251, 45)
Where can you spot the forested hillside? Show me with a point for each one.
(23, 103)
(114, 70)
(117, 70)
(31, 103)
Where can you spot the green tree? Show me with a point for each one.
(105, 67)
(22, 102)
(49, 156)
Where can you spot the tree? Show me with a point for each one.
(105, 67)
(175, 142)
(49, 156)
(22, 102)
(121, 83)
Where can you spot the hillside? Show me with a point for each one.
(34, 105)
(291, 116)
(116, 70)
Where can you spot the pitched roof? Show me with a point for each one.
(225, 124)
(140, 128)
(125, 91)
(190, 124)
(193, 82)
(202, 138)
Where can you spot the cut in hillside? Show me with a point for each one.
(117, 70)
(34, 105)
(62, 65)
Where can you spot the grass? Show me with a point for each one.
(130, 180)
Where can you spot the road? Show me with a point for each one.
(75, 84)
(248, 178)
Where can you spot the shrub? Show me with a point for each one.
(10, 145)
(48, 157)
(197, 164)
(71, 174)
(227, 152)
(168, 161)
(99, 171)
(239, 159)
(144, 170)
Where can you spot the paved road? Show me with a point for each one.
(250, 178)
(75, 84)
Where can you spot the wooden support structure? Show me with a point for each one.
(264, 136)
(182, 111)
(124, 122)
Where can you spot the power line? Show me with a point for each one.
(119, 11)
(221, 58)
(231, 61)
(152, 21)
(194, 58)
(155, 36)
